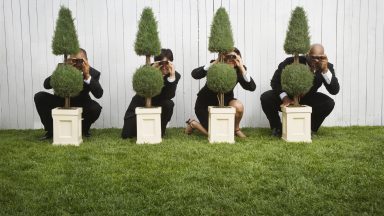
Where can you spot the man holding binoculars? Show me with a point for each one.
(45, 101)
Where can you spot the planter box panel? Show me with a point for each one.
(297, 124)
(221, 125)
(67, 126)
(148, 125)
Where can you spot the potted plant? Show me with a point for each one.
(67, 82)
(148, 81)
(221, 78)
(296, 80)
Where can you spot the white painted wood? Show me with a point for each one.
(67, 126)
(351, 31)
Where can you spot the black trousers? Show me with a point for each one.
(45, 102)
(129, 128)
(322, 105)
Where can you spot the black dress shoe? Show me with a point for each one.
(276, 132)
(87, 134)
(46, 136)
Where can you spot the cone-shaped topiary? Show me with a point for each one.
(221, 78)
(221, 38)
(147, 39)
(147, 82)
(66, 81)
(296, 80)
(65, 40)
(297, 40)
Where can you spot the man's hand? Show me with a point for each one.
(85, 69)
(287, 101)
(323, 64)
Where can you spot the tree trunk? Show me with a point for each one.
(65, 58)
(148, 102)
(296, 101)
(221, 99)
(148, 60)
(296, 59)
(67, 103)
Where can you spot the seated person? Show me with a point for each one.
(322, 105)
(45, 101)
(207, 97)
(171, 77)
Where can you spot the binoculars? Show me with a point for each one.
(229, 57)
(77, 63)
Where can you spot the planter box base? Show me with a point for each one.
(297, 124)
(148, 125)
(221, 124)
(67, 126)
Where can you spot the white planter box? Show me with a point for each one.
(67, 126)
(221, 124)
(297, 124)
(148, 125)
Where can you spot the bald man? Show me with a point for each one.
(322, 105)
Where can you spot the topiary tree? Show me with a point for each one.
(147, 39)
(297, 40)
(297, 79)
(221, 78)
(147, 82)
(66, 82)
(65, 40)
(221, 38)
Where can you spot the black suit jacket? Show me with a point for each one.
(94, 86)
(333, 88)
(169, 89)
(207, 96)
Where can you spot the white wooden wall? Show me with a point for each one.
(351, 31)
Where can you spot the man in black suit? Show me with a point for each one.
(45, 101)
(171, 77)
(322, 105)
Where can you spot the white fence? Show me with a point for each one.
(351, 31)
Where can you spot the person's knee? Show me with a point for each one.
(95, 110)
(238, 106)
(266, 97)
(39, 97)
(330, 105)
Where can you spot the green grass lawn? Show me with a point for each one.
(340, 173)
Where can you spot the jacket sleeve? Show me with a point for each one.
(94, 85)
(169, 89)
(199, 73)
(250, 86)
(47, 83)
(333, 87)
(276, 79)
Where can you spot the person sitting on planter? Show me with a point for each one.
(322, 105)
(164, 62)
(45, 101)
(206, 97)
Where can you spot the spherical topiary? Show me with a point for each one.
(147, 81)
(221, 38)
(65, 40)
(147, 39)
(66, 81)
(296, 80)
(297, 40)
(221, 78)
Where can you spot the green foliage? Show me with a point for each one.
(147, 81)
(221, 78)
(296, 79)
(67, 81)
(221, 38)
(147, 39)
(297, 40)
(65, 40)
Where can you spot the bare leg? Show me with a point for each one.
(238, 116)
(193, 124)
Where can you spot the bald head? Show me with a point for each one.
(316, 50)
